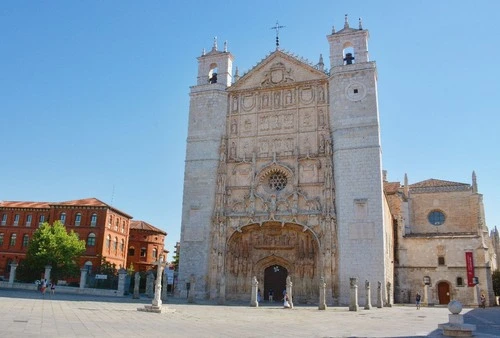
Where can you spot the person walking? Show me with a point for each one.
(52, 288)
(271, 295)
(483, 301)
(417, 300)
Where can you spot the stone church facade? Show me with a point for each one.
(283, 177)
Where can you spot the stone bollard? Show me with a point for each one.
(137, 280)
(353, 305)
(379, 295)
(255, 286)
(389, 293)
(83, 277)
(122, 274)
(322, 294)
(46, 275)
(12, 275)
(289, 285)
(456, 327)
(368, 305)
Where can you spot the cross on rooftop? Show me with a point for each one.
(277, 29)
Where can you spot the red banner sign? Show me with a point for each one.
(470, 268)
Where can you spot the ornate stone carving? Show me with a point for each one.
(277, 74)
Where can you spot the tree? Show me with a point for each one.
(496, 282)
(52, 245)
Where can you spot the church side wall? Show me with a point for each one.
(207, 118)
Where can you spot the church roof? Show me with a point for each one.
(144, 226)
(434, 185)
(391, 187)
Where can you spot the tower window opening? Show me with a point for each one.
(349, 55)
(355, 91)
(212, 75)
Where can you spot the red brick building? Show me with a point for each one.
(104, 228)
(146, 245)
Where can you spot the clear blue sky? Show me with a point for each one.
(94, 94)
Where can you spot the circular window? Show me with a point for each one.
(277, 181)
(436, 217)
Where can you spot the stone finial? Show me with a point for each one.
(225, 46)
(321, 64)
(333, 29)
(346, 22)
(203, 53)
(474, 182)
(236, 75)
(406, 190)
(360, 24)
(214, 47)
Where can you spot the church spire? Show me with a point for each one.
(214, 47)
(474, 182)
(360, 24)
(321, 65)
(346, 22)
(406, 188)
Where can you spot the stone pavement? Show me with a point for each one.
(28, 314)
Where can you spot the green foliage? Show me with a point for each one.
(52, 245)
(107, 268)
(496, 282)
(175, 262)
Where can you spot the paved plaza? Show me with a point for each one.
(28, 314)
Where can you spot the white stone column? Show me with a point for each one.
(426, 295)
(159, 273)
(353, 304)
(12, 275)
(48, 269)
(379, 295)
(83, 277)
(122, 274)
(255, 286)
(368, 305)
(322, 294)
(289, 290)
(137, 281)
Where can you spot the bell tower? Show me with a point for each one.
(207, 127)
(357, 160)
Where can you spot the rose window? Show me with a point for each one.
(277, 181)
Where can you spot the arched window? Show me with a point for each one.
(349, 55)
(78, 219)
(122, 245)
(110, 221)
(91, 239)
(28, 220)
(212, 74)
(155, 252)
(1, 238)
(4, 219)
(26, 240)
(93, 220)
(16, 219)
(41, 219)
(115, 244)
(63, 218)
(123, 227)
(116, 224)
(143, 252)
(131, 251)
(13, 238)
(108, 241)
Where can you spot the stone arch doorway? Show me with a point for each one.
(443, 293)
(275, 280)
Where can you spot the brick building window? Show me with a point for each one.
(4, 219)
(1, 239)
(41, 220)
(123, 227)
(155, 252)
(143, 252)
(441, 260)
(108, 241)
(26, 240)
(16, 219)
(78, 219)
(131, 251)
(122, 245)
(91, 239)
(13, 238)
(93, 220)
(28, 220)
(116, 224)
(63, 218)
(115, 244)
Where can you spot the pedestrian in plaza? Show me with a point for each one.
(271, 295)
(417, 300)
(52, 288)
(286, 303)
(259, 297)
(483, 301)
(43, 287)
